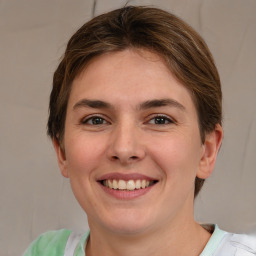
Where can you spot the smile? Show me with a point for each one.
(129, 185)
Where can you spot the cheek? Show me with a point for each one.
(83, 157)
(177, 156)
(83, 154)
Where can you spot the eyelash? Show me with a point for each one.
(164, 118)
(85, 121)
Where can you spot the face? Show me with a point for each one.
(132, 144)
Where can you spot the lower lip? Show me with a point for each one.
(126, 194)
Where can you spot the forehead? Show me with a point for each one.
(133, 75)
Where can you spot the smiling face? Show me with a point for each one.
(132, 144)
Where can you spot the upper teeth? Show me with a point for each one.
(127, 185)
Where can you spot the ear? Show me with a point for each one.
(210, 150)
(62, 162)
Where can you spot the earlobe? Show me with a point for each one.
(210, 150)
(62, 162)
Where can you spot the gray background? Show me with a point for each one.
(33, 195)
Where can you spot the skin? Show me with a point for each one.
(125, 137)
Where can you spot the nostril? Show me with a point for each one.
(131, 158)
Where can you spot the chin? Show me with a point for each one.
(128, 223)
(128, 228)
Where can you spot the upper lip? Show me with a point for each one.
(125, 176)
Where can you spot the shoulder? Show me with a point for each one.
(239, 244)
(223, 243)
(50, 243)
(243, 241)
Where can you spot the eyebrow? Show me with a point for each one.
(143, 106)
(92, 104)
(161, 103)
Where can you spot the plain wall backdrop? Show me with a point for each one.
(34, 197)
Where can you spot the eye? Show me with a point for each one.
(160, 120)
(94, 120)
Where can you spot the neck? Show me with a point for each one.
(186, 239)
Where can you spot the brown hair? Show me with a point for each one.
(184, 51)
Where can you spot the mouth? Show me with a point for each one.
(127, 185)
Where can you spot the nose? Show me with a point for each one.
(125, 145)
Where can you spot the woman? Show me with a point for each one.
(135, 119)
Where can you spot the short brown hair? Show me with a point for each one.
(184, 51)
